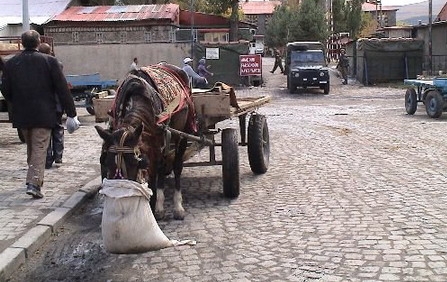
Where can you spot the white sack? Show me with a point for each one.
(128, 225)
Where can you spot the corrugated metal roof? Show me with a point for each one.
(40, 11)
(120, 13)
(258, 7)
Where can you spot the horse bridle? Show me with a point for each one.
(120, 150)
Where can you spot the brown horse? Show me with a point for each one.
(137, 146)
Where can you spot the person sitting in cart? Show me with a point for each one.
(194, 78)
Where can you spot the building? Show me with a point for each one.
(385, 15)
(40, 12)
(105, 39)
(259, 13)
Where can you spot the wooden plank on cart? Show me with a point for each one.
(248, 104)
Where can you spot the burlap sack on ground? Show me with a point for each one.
(128, 225)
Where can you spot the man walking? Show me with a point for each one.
(194, 78)
(56, 146)
(343, 65)
(278, 62)
(30, 81)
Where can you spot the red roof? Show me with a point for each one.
(442, 16)
(259, 7)
(120, 13)
(201, 19)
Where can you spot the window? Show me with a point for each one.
(147, 36)
(75, 36)
(99, 37)
(123, 36)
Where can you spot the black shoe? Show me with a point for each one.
(34, 191)
(271, 71)
(58, 161)
(48, 165)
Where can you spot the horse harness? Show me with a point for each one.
(120, 150)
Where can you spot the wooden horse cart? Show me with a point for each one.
(216, 105)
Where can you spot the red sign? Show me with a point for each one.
(250, 65)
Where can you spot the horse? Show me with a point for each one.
(137, 146)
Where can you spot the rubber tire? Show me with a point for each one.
(89, 105)
(326, 89)
(291, 88)
(411, 103)
(434, 104)
(230, 163)
(258, 144)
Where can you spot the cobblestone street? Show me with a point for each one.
(355, 191)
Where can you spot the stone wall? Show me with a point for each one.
(112, 61)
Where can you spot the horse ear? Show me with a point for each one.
(105, 134)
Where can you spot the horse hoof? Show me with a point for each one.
(159, 215)
(179, 215)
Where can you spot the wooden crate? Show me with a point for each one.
(212, 104)
(102, 106)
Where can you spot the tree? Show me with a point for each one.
(277, 32)
(309, 23)
(369, 25)
(304, 23)
(354, 20)
(339, 16)
(348, 17)
(221, 7)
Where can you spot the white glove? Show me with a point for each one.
(72, 124)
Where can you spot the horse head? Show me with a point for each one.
(121, 156)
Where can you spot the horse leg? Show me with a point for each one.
(154, 197)
(179, 211)
(159, 206)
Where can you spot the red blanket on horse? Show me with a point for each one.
(172, 90)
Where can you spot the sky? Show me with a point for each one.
(399, 2)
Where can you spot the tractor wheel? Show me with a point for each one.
(411, 101)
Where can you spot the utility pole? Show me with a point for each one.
(192, 29)
(430, 46)
(25, 16)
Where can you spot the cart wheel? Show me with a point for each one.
(90, 110)
(230, 163)
(434, 104)
(326, 89)
(291, 88)
(89, 106)
(258, 144)
(411, 101)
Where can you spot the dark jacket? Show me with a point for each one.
(29, 82)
